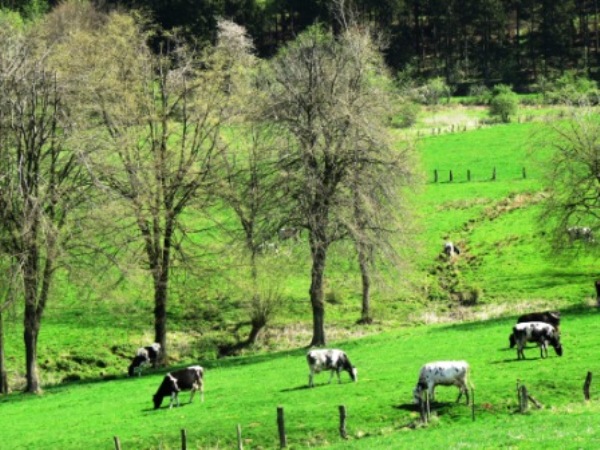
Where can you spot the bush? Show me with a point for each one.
(480, 94)
(504, 102)
(573, 89)
(432, 92)
(405, 115)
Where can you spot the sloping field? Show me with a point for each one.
(247, 391)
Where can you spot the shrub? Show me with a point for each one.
(480, 94)
(405, 115)
(573, 89)
(504, 102)
(432, 92)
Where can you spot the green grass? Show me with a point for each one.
(247, 391)
(506, 257)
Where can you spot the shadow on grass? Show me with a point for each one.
(304, 387)
(579, 310)
(440, 408)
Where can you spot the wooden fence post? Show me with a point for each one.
(468, 174)
(117, 443)
(281, 427)
(183, 439)
(494, 174)
(586, 386)
(435, 176)
(524, 173)
(239, 437)
(450, 178)
(343, 432)
(597, 285)
(523, 399)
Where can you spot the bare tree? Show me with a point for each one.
(329, 96)
(152, 132)
(41, 181)
(573, 178)
(8, 296)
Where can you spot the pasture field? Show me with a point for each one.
(507, 265)
(247, 391)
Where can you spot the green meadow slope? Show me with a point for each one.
(506, 265)
(247, 391)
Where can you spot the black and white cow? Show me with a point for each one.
(143, 357)
(329, 359)
(188, 379)
(442, 373)
(539, 332)
(549, 317)
(580, 233)
(451, 250)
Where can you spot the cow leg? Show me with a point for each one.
(338, 375)
(543, 350)
(520, 353)
(330, 376)
(173, 398)
(192, 393)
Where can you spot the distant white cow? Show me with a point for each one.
(444, 373)
(584, 234)
(329, 359)
(451, 250)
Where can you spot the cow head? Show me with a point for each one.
(157, 399)
(418, 393)
(354, 374)
(512, 340)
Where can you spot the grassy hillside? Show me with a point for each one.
(507, 265)
(247, 391)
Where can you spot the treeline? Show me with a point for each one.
(465, 41)
(112, 153)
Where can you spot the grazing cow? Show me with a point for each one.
(538, 332)
(444, 373)
(188, 379)
(451, 250)
(549, 317)
(329, 359)
(580, 233)
(143, 357)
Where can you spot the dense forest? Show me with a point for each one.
(465, 41)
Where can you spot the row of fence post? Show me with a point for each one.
(523, 397)
(436, 175)
(280, 428)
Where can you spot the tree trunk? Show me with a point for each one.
(32, 326)
(161, 292)
(319, 255)
(160, 317)
(3, 376)
(365, 317)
